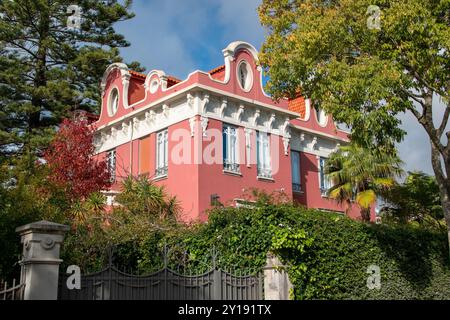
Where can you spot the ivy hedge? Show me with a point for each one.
(327, 255)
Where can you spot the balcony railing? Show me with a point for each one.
(264, 173)
(296, 187)
(232, 167)
(161, 172)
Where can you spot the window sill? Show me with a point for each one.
(298, 191)
(265, 179)
(158, 178)
(232, 173)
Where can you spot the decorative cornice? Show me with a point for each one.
(204, 124)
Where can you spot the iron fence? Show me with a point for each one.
(165, 284)
(15, 292)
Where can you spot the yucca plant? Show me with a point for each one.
(359, 174)
(141, 196)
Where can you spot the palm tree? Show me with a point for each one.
(359, 174)
(141, 196)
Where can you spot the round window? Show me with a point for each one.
(113, 103)
(154, 86)
(321, 117)
(245, 76)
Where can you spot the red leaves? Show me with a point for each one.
(72, 163)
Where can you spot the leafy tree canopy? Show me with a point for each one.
(414, 200)
(365, 62)
(49, 66)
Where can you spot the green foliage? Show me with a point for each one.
(416, 200)
(366, 75)
(141, 196)
(48, 70)
(413, 263)
(144, 213)
(361, 174)
(363, 76)
(327, 255)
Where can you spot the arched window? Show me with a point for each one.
(113, 102)
(321, 117)
(245, 76)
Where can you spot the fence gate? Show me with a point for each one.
(165, 284)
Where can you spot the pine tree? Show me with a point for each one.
(50, 66)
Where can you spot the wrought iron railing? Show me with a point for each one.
(231, 166)
(296, 187)
(15, 292)
(166, 284)
(161, 172)
(264, 173)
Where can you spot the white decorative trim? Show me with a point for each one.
(192, 125)
(313, 145)
(126, 79)
(190, 100)
(122, 68)
(248, 145)
(255, 117)
(113, 132)
(285, 128)
(302, 139)
(204, 102)
(271, 121)
(224, 94)
(235, 46)
(318, 133)
(153, 86)
(322, 112)
(248, 80)
(336, 149)
(223, 106)
(136, 123)
(109, 110)
(166, 110)
(240, 113)
(286, 145)
(307, 109)
(204, 124)
(150, 116)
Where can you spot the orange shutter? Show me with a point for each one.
(144, 155)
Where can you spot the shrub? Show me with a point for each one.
(327, 255)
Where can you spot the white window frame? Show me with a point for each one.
(111, 156)
(113, 102)
(296, 185)
(248, 80)
(264, 166)
(230, 141)
(162, 153)
(324, 182)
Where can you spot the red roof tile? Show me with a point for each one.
(216, 70)
(137, 74)
(298, 105)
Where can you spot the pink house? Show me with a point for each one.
(214, 135)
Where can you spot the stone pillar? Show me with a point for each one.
(276, 282)
(40, 259)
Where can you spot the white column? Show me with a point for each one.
(40, 261)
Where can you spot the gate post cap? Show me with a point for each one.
(43, 226)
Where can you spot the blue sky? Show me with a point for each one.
(180, 36)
